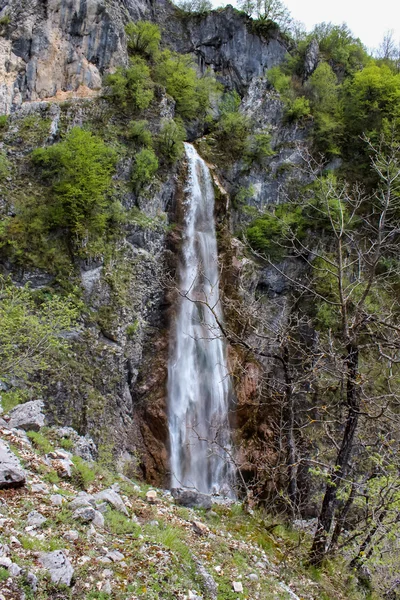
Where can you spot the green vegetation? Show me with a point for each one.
(131, 87)
(143, 37)
(139, 133)
(144, 168)
(170, 140)
(40, 442)
(31, 330)
(119, 524)
(82, 474)
(79, 171)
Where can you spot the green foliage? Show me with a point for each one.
(258, 147)
(5, 20)
(267, 234)
(177, 73)
(79, 171)
(3, 121)
(143, 37)
(197, 7)
(40, 442)
(13, 398)
(229, 103)
(131, 87)
(4, 166)
(132, 329)
(170, 140)
(339, 46)
(278, 80)
(3, 574)
(119, 524)
(82, 474)
(144, 168)
(139, 132)
(31, 330)
(232, 132)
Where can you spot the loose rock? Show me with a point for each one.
(113, 498)
(58, 566)
(191, 499)
(28, 416)
(12, 474)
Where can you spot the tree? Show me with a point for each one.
(170, 140)
(79, 171)
(32, 331)
(195, 6)
(143, 38)
(144, 169)
(268, 10)
(131, 87)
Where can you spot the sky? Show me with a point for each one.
(368, 20)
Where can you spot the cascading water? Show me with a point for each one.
(199, 386)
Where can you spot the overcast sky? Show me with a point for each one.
(368, 20)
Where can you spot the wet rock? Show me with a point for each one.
(58, 566)
(28, 416)
(12, 474)
(191, 499)
(112, 498)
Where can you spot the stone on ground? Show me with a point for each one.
(58, 566)
(12, 474)
(28, 416)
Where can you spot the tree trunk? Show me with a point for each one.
(338, 472)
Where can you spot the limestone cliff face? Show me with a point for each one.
(53, 50)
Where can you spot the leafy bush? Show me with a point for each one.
(144, 169)
(31, 330)
(3, 121)
(131, 87)
(278, 79)
(139, 132)
(177, 73)
(267, 233)
(298, 109)
(232, 132)
(82, 474)
(258, 147)
(170, 140)
(79, 170)
(143, 37)
(4, 166)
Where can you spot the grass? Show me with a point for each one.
(47, 545)
(119, 524)
(3, 574)
(40, 442)
(82, 475)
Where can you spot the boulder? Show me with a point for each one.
(112, 498)
(85, 514)
(191, 499)
(82, 446)
(58, 566)
(28, 416)
(12, 474)
(35, 519)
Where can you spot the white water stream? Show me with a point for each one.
(199, 386)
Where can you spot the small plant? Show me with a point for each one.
(3, 121)
(82, 474)
(40, 442)
(119, 524)
(132, 329)
(5, 21)
(4, 575)
(67, 444)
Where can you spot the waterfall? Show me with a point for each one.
(199, 385)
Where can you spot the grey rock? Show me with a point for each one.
(39, 488)
(253, 577)
(287, 589)
(98, 519)
(112, 498)
(311, 58)
(58, 566)
(85, 514)
(102, 507)
(12, 474)
(105, 560)
(107, 573)
(191, 499)
(56, 500)
(106, 587)
(28, 416)
(115, 556)
(35, 519)
(71, 535)
(84, 500)
(14, 570)
(5, 562)
(32, 581)
(83, 446)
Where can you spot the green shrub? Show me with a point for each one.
(229, 103)
(79, 171)
(258, 147)
(197, 7)
(232, 133)
(131, 87)
(4, 166)
(119, 524)
(279, 80)
(138, 131)
(3, 121)
(177, 73)
(3, 574)
(4, 21)
(170, 140)
(82, 473)
(40, 442)
(268, 234)
(144, 169)
(143, 37)
(132, 329)
(298, 109)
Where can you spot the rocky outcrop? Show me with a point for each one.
(58, 566)
(12, 474)
(28, 416)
